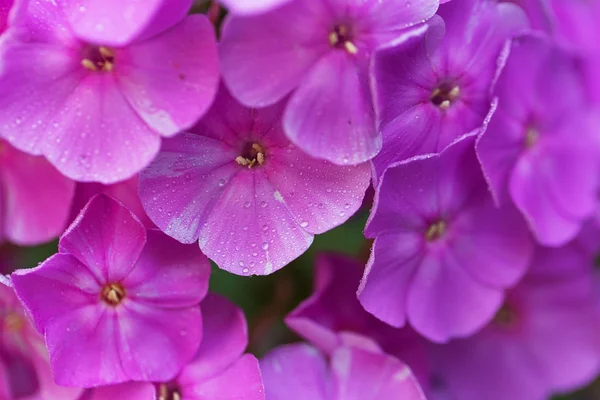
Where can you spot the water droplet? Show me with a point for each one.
(265, 245)
(304, 224)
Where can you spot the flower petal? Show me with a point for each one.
(171, 79)
(168, 274)
(331, 115)
(106, 237)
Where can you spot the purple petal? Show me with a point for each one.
(295, 372)
(172, 95)
(363, 375)
(168, 274)
(383, 291)
(331, 116)
(31, 186)
(106, 237)
(116, 23)
(265, 57)
(155, 343)
(60, 284)
(336, 192)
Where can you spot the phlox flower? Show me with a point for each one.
(529, 152)
(117, 303)
(93, 84)
(543, 340)
(434, 87)
(35, 199)
(443, 253)
(237, 185)
(300, 371)
(319, 51)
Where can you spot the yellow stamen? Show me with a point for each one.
(435, 231)
(350, 47)
(89, 64)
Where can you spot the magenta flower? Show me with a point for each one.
(530, 141)
(333, 310)
(318, 51)
(252, 7)
(116, 303)
(96, 106)
(299, 372)
(251, 198)
(543, 340)
(443, 252)
(35, 199)
(220, 369)
(431, 89)
(24, 369)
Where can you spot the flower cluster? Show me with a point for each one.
(154, 137)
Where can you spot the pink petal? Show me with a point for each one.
(224, 340)
(116, 23)
(394, 260)
(331, 116)
(443, 301)
(168, 274)
(74, 342)
(294, 173)
(155, 343)
(263, 59)
(197, 169)
(106, 237)
(252, 7)
(56, 287)
(364, 375)
(295, 372)
(261, 236)
(30, 187)
(170, 96)
(242, 380)
(125, 391)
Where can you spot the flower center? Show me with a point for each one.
(435, 231)
(169, 391)
(445, 95)
(341, 38)
(98, 58)
(113, 294)
(253, 154)
(505, 317)
(532, 135)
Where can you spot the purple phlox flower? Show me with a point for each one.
(220, 369)
(351, 372)
(529, 153)
(243, 7)
(543, 340)
(319, 51)
(251, 198)
(116, 303)
(122, 391)
(125, 191)
(35, 199)
(433, 87)
(96, 105)
(443, 252)
(333, 309)
(24, 369)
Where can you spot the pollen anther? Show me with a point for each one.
(435, 231)
(113, 294)
(255, 156)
